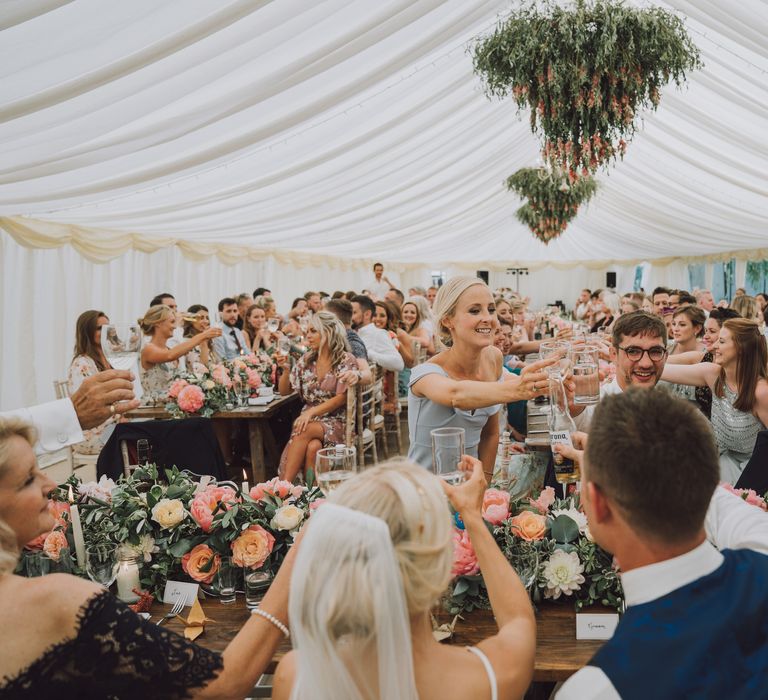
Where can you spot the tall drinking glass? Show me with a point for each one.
(36, 563)
(226, 578)
(585, 375)
(447, 449)
(333, 466)
(559, 349)
(256, 584)
(121, 344)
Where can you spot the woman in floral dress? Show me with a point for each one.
(317, 379)
(89, 360)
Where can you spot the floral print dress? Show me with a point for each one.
(314, 390)
(81, 368)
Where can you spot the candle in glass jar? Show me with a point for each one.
(128, 579)
(77, 530)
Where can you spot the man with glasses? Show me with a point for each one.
(638, 351)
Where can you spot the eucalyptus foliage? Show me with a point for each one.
(585, 71)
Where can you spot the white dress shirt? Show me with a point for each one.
(380, 347)
(378, 289)
(56, 423)
(730, 523)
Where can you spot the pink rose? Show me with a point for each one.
(201, 507)
(221, 376)
(196, 559)
(191, 399)
(54, 543)
(464, 557)
(251, 359)
(316, 504)
(253, 547)
(176, 387)
(275, 487)
(254, 378)
(544, 501)
(749, 495)
(496, 506)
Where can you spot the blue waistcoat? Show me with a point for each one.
(707, 640)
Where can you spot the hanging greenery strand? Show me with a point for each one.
(552, 200)
(585, 72)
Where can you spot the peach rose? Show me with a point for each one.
(57, 509)
(464, 557)
(275, 487)
(201, 507)
(176, 387)
(253, 547)
(529, 526)
(193, 561)
(54, 543)
(496, 506)
(544, 501)
(191, 399)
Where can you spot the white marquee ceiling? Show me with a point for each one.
(351, 128)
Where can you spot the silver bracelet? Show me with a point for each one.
(273, 620)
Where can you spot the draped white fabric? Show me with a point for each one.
(210, 146)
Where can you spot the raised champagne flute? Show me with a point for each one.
(121, 343)
(334, 466)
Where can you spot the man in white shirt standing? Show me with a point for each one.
(380, 285)
(581, 309)
(378, 344)
(693, 558)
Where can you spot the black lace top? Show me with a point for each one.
(704, 393)
(116, 654)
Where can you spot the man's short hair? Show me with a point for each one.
(638, 323)
(261, 292)
(309, 295)
(588, 291)
(159, 299)
(241, 298)
(655, 456)
(684, 297)
(400, 296)
(661, 290)
(366, 303)
(226, 301)
(342, 309)
(375, 265)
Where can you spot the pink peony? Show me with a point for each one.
(191, 399)
(176, 387)
(544, 501)
(54, 543)
(275, 487)
(221, 376)
(254, 378)
(464, 557)
(749, 495)
(496, 506)
(201, 507)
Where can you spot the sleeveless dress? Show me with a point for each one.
(489, 670)
(115, 654)
(735, 433)
(424, 416)
(156, 381)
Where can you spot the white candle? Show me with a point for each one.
(77, 530)
(244, 487)
(128, 579)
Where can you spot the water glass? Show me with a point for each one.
(101, 564)
(585, 375)
(36, 563)
(121, 344)
(559, 349)
(447, 450)
(226, 580)
(334, 466)
(255, 584)
(64, 564)
(273, 325)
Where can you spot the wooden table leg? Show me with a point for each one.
(256, 439)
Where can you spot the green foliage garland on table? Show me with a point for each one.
(552, 201)
(585, 72)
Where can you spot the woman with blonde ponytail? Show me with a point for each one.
(373, 563)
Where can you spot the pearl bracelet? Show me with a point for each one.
(271, 618)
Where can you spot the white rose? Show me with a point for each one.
(208, 384)
(168, 513)
(287, 517)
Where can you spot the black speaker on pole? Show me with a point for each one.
(483, 275)
(610, 280)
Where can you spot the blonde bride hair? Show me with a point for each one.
(446, 301)
(9, 547)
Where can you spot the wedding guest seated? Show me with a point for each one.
(704, 300)
(413, 324)
(430, 295)
(342, 309)
(164, 299)
(377, 558)
(696, 613)
(159, 362)
(262, 292)
(89, 360)
(427, 320)
(270, 308)
(609, 311)
(244, 302)
(69, 638)
(378, 344)
(230, 342)
(197, 320)
(395, 296)
(316, 378)
(687, 329)
(299, 308)
(313, 302)
(257, 335)
(660, 299)
(387, 317)
(747, 307)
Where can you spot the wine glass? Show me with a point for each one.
(273, 324)
(333, 466)
(283, 346)
(121, 344)
(304, 323)
(447, 450)
(101, 563)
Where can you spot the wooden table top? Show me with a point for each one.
(159, 412)
(558, 653)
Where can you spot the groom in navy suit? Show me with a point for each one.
(693, 558)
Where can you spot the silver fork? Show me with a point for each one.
(178, 606)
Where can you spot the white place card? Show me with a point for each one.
(596, 625)
(180, 590)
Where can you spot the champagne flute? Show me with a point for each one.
(121, 344)
(447, 450)
(333, 466)
(101, 563)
